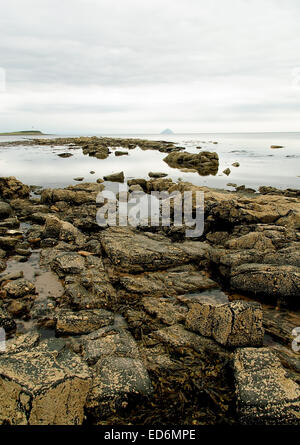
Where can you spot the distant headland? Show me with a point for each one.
(22, 133)
(167, 131)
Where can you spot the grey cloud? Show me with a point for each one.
(234, 45)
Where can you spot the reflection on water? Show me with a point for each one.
(211, 296)
(259, 164)
(48, 289)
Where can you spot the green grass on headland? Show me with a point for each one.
(22, 133)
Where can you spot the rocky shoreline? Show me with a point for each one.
(114, 325)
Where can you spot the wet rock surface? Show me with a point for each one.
(153, 327)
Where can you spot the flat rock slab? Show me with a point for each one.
(43, 387)
(165, 309)
(175, 281)
(135, 252)
(177, 336)
(82, 322)
(234, 324)
(264, 393)
(109, 341)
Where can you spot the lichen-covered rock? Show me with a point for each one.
(135, 252)
(233, 324)
(68, 263)
(63, 231)
(11, 188)
(176, 336)
(19, 288)
(174, 281)
(82, 322)
(42, 387)
(166, 310)
(265, 395)
(90, 288)
(118, 381)
(277, 282)
(109, 341)
(6, 321)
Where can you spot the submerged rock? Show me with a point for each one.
(65, 155)
(227, 171)
(121, 153)
(157, 175)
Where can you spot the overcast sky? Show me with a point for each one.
(126, 66)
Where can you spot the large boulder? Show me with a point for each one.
(11, 188)
(43, 386)
(265, 395)
(206, 163)
(233, 324)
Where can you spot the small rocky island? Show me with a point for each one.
(23, 133)
(123, 325)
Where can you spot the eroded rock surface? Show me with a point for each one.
(265, 395)
(43, 387)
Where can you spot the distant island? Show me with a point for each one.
(22, 133)
(167, 131)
